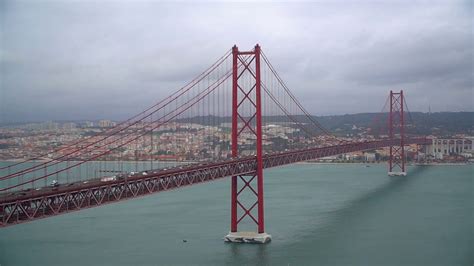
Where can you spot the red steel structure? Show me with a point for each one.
(397, 131)
(33, 205)
(256, 88)
(244, 94)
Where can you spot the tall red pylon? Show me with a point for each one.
(247, 119)
(396, 125)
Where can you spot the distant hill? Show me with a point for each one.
(440, 123)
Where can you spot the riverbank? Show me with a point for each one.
(383, 162)
(190, 162)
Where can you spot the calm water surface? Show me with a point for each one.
(317, 214)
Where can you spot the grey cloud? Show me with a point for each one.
(86, 58)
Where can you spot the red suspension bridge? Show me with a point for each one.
(235, 119)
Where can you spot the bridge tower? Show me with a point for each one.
(396, 127)
(247, 119)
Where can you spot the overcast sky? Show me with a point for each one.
(110, 59)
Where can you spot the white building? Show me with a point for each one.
(443, 147)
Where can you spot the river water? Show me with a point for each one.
(317, 215)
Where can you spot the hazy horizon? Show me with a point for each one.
(116, 120)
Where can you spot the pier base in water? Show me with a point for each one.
(397, 173)
(248, 237)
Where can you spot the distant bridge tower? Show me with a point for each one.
(247, 119)
(396, 127)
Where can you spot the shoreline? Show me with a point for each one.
(377, 163)
(304, 162)
(45, 161)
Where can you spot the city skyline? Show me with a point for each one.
(94, 60)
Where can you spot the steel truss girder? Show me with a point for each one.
(19, 209)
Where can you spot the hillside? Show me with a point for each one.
(440, 123)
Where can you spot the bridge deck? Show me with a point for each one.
(36, 204)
